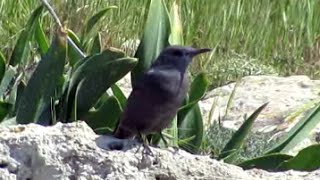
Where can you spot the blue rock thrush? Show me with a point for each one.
(158, 93)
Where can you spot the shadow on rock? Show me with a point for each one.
(112, 143)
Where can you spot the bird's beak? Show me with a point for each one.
(199, 51)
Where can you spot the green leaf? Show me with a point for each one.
(230, 156)
(197, 90)
(300, 131)
(269, 162)
(6, 80)
(20, 47)
(93, 21)
(98, 73)
(239, 136)
(191, 127)
(198, 87)
(2, 66)
(41, 38)
(88, 65)
(43, 82)
(176, 36)
(106, 116)
(96, 45)
(18, 95)
(190, 123)
(119, 95)
(4, 110)
(154, 38)
(173, 132)
(73, 54)
(306, 160)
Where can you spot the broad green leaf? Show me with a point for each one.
(102, 100)
(154, 38)
(269, 162)
(98, 73)
(4, 110)
(119, 95)
(306, 160)
(230, 156)
(96, 45)
(99, 81)
(197, 90)
(6, 80)
(94, 20)
(43, 82)
(191, 127)
(176, 36)
(106, 116)
(239, 136)
(198, 87)
(89, 64)
(73, 55)
(300, 131)
(2, 66)
(18, 94)
(25, 35)
(79, 63)
(41, 38)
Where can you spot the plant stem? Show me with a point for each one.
(57, 20)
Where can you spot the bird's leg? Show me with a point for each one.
(145, 144)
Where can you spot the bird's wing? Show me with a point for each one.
(166, 80)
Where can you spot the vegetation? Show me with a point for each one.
(249, 37)
(68, 80)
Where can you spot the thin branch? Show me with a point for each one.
(57, 20)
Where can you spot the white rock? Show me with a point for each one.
(72, 151)
(286, 96)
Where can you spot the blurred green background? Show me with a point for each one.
(248, 36)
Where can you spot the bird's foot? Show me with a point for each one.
(146, 150)
(175, 149)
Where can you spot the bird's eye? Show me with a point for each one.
(177, 53)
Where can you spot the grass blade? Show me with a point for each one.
(2, 66)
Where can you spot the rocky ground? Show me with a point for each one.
(74, 151)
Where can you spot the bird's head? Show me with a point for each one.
(178, 57)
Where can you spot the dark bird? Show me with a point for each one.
(158, 93)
